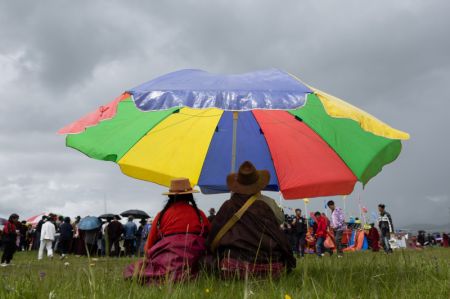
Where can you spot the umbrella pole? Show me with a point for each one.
(306, 214)
(345, 205)
(233, 146)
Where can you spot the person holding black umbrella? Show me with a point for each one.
(139, 214)
(114, 231)
(130, 230)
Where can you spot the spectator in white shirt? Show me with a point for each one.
(48, 232)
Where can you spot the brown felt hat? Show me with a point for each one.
(180, 186)
(248, 180)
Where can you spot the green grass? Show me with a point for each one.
(405, 274)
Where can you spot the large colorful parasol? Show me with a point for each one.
(199, 125)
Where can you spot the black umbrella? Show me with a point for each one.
(109, 215)
(136, 214)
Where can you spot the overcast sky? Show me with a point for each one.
(62, 59)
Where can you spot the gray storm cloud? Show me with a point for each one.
(60, 60)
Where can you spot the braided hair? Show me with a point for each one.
(180, 197)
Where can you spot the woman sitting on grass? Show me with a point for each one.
(176, 242)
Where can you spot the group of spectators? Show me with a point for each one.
(427, 240)
(325, 235)
(59, 234)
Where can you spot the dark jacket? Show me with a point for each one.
(9, 232)
(115, 230)
(66, 231)
(385, 222)
(300, 225)
(257, 232)
(39, 225)
(22, 230)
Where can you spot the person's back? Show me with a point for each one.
(374, 238)
(139, 231)
(130, 229)
(23, 229)
(9, 239)
(115, 230)
(321, 226)
(255, 237)
(179, 218)
(176, 242)
(39, 225)
(48, 231)
(129, 232)
(255, 241)
(66, 231)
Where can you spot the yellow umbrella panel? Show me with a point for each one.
(176, 147)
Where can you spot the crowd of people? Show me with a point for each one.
(58, 234)
(319, 234)
(249, 234)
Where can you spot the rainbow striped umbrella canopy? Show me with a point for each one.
(199, 125)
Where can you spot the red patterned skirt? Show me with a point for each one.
(234, 268)
(173, 258)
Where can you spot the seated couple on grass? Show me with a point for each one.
(243, 239)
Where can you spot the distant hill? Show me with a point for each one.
(426, 227)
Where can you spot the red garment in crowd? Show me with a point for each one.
(321, 227)
(374, 239)
(445, 240)
(179, 218)
(9, 228)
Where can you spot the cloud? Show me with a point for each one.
(389, 58)
(438, 198)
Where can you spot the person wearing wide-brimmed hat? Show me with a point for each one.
(176, 242)
(246, 235)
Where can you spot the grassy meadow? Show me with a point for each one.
(405, 274)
